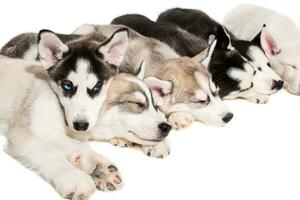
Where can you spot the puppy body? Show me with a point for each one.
(281, 39)
(225, 58)
(193, 96)
(33, 122)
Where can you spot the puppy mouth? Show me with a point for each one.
(153, 140)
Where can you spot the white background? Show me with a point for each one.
(256, 156)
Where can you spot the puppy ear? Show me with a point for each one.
(223, 39)
(211, 49)
(113, 49)
(141, 72)
(159, 88)
(51, 48)
(257, 39)
(268, 44)
(84, 29)
(201, 56)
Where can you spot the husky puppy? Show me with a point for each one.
(78, 69)
(265, 81)
(194, 95)
(33, 120)
(130, 114)
(226, 59)
(281, 47)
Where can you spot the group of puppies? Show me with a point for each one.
(131, 82)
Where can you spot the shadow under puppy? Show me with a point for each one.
(237, 75)
(194, 95)
(39, 102)
(280, 39)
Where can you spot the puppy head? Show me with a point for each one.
(131, 111)
(194, 92)
(80, 71)
(265, 80)
(283, 59)
(230, 71)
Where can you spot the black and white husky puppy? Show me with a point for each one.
(79, 67)
(237, 75)
(65, 91)
(280, 39)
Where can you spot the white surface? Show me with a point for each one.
(256, 156)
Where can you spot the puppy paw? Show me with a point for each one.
(105, 174)
(180, 120)
(160, 150)
(107, 177)
(120, 142)
(259, 99)
(74, 184)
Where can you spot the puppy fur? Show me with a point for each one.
(194, 94)
(281, 47)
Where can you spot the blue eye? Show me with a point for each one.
(67, 86)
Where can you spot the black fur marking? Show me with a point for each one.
(182, 41)
(95, 90)
(223, 60)
(85, 51)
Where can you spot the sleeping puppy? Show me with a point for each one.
(194, 95)
(232, 72)
(266, 81)
(280, 40)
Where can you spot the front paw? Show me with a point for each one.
(120, 142)
(74, 184)
(259, 99)
(105, 174)
(107, 177)
(180, 120)
(160, 150)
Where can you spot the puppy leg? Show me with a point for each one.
(51, 163)
(258, 98)
(180, 120)
(120, 142)
(104, 173)
(160, 150)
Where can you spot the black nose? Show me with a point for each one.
(164, 129)
(227, 117)
(81, 125)
(277, 85)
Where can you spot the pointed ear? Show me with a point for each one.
(268, 44)
(201, 56)
(141, 71)
(211, 49)
(257, 39)
(113, 49)
(159, 88)
(51, 48)
(223, 39)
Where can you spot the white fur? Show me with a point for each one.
(245, 21)
(36, 131)
(81, 107)
(140, 128)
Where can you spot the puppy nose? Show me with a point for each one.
(164, 129)
(277, 85)
(81, 125)
(227, 117)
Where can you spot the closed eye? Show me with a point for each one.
(96, 89)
